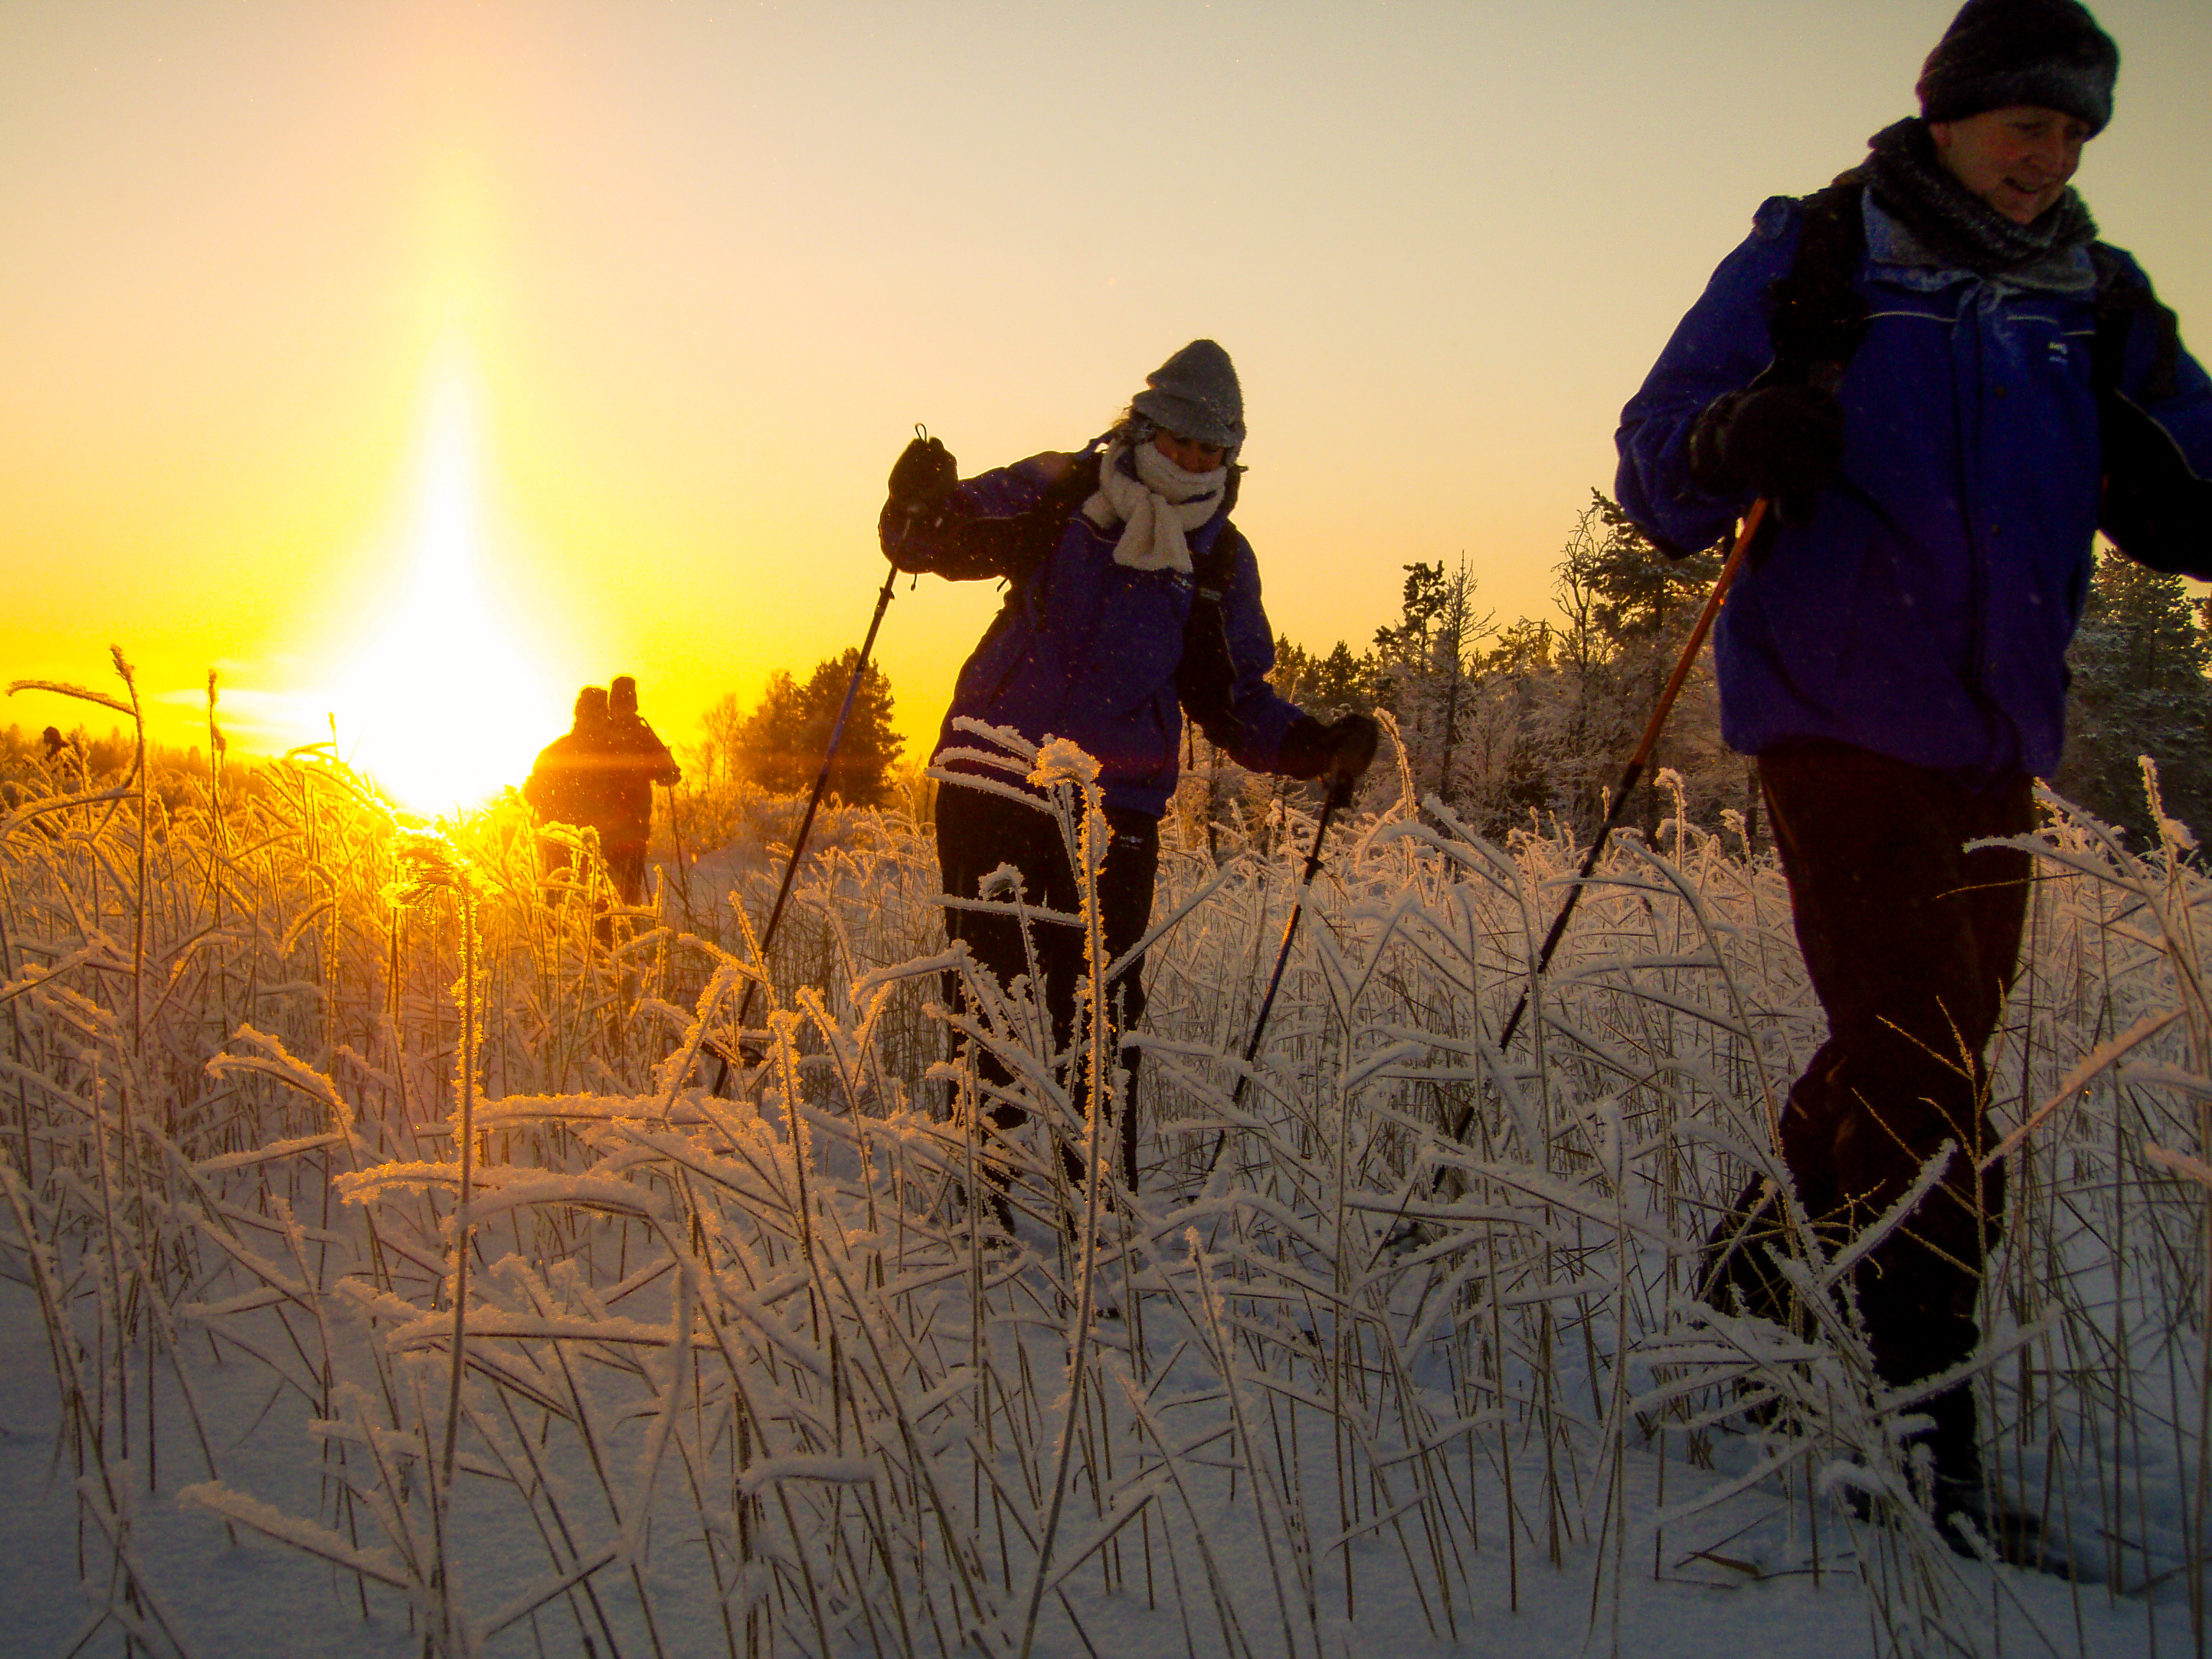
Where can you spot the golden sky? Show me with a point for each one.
(658, 289)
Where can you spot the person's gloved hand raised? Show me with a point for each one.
(1785, 442)
(924, 471)
(922, 477)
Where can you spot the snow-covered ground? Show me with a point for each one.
(737, 1374)
(1749, 1575)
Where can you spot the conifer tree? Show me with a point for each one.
(1426, 668)
(780, 747)
(2139, 687)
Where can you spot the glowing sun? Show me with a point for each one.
(444, 704)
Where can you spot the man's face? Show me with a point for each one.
(2017, 159)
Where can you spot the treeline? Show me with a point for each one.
(2139, 665)
(36, 768)
(80, 760)
(98, 757)
(1527, 724)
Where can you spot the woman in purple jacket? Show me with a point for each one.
(1924, 370)
(1132, 600)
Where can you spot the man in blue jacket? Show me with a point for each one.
(1132, 599)
(1920, 369)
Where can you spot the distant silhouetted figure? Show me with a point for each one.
(634, 760)
(567, 783)
(55, 742)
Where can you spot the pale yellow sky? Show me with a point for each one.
(709, 263)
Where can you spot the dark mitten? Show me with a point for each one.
(1352, 740)
(1707, 471)
(923, 472)
(1338, 752)
(922, 477)
(1785, 442)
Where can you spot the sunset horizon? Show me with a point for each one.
(1550, 993)
(708, 269)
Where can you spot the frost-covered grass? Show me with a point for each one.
(377, 1226)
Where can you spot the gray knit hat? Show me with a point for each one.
(1998, 52)
(1194, 394)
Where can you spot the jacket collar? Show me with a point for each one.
(1908, 260)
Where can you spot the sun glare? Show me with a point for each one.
(444, 705)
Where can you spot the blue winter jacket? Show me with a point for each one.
(1087, 649)
(1923, 611)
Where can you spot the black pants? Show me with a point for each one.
(1911, 942)
(977, 833)
(626, 869)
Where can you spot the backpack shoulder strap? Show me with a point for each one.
(1039, 529)
(2153, 507)
(2120, 302)
(1206, 677)
(1210, 571)
(1077, 484)
(1820, 316)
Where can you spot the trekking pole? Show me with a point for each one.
(1629, 775)
(807, 823)
(682, 870)
(821, 784)
(1338, 793)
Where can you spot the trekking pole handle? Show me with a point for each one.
(911, 514)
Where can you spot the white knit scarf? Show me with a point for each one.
(1157, 507)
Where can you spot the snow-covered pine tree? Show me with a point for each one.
(1628, 610)
(1426, 669)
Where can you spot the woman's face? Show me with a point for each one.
(1188, 454)
(2017, 159)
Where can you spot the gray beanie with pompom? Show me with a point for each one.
(1194, 395)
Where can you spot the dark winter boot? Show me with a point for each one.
(1970, 1518)
(1967, 1513)
(1736, 1272)
(1963, 1506)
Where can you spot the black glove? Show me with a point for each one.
(924, 471)
(1336, 753)
(1785, 442)
(922, 477)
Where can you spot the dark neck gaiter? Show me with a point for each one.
(1953, 224)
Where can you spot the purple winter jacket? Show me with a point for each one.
(1924, 610)
(1087, 649)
